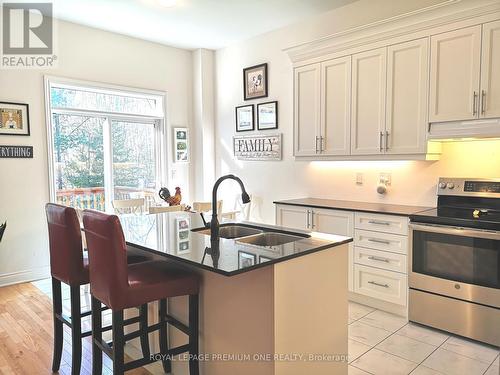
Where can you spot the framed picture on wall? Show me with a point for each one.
(267, 115)
(181, 145)
(255, 83)
(244, 118)
(14, 119)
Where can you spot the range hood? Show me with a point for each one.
(489, 128)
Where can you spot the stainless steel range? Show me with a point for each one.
(455, 260)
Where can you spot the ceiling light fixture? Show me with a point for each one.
(167, 3)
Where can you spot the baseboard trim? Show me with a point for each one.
(24, 276)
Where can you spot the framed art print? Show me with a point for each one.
(14, 119)
(181, 145)
(255, 84)
(267, 115)
(244, 118)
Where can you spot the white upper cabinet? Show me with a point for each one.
(307, 109)
(368, 102)
(455, 73)
(490, 71)
(336, 106)
(407, 90)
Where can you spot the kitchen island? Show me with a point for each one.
(265, 308)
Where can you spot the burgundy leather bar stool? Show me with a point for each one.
(68, 265)
(120, 286)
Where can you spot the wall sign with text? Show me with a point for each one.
(257, 147)
(16, 152)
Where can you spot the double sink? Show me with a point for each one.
(254, 235)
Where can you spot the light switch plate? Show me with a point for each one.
(385, 178)
(359, 178)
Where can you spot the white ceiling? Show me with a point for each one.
(191, 23)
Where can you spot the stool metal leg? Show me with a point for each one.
(58, 324)
(167, 363)
(143, 327)
(193, 335)
(118, 343)
(76, 330)
(96, 336)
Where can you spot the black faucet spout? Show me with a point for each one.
(214, 224)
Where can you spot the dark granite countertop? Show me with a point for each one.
(379, 208)
(170, 235)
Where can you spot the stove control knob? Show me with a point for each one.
(442, 185)
(450, 185)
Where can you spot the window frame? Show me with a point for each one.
(160, 125)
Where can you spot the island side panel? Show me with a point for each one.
(236, 317)
(311, 311)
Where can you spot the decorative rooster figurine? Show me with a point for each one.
(175, 200)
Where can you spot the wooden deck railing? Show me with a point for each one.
(93, 198)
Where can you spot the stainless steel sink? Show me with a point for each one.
(232, 231)
(270, 239)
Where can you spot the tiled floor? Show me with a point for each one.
(386, 344)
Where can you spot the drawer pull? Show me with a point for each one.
(385, 242)
(378, 222)
(385, 260)
(377, 284)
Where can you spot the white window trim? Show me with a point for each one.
(161, 124)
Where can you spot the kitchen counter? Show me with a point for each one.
(170, 235)
(379, 208)
(282, 311)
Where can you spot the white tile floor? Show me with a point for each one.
(386, 344)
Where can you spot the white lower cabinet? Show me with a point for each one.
(378, 254)
(381, 284)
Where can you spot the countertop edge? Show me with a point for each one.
(293, 202)
(243, 270)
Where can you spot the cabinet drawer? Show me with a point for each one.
(381, 284)
(380, 259)
(381, 223)
(381, 241)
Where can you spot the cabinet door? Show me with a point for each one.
(336, 106)
(490, 70)
(455, 65)
(337, 222)
(293, 217)
(407, 85)
(368, 101)
(307, 109)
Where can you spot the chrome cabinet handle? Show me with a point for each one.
(376, 222)
(377, 284)
(483, 102)
(386, 140)
(380, 142)
(307, 219)
(316, 144)
(385, 242)
(321, 143)
(474, 100)
(385, 260)
(312, 219)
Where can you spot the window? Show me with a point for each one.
(104, 144)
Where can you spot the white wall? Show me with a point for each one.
(413, 181)
(87, 54)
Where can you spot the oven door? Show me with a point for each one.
(456, 262)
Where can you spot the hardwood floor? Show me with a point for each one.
(26, 334)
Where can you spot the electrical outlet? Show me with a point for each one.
(359, 178)
(385, 178)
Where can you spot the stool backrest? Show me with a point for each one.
(107, 257)
(65, 243)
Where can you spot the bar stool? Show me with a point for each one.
(120, 286)
(68, 265)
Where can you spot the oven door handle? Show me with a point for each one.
(456, 231)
